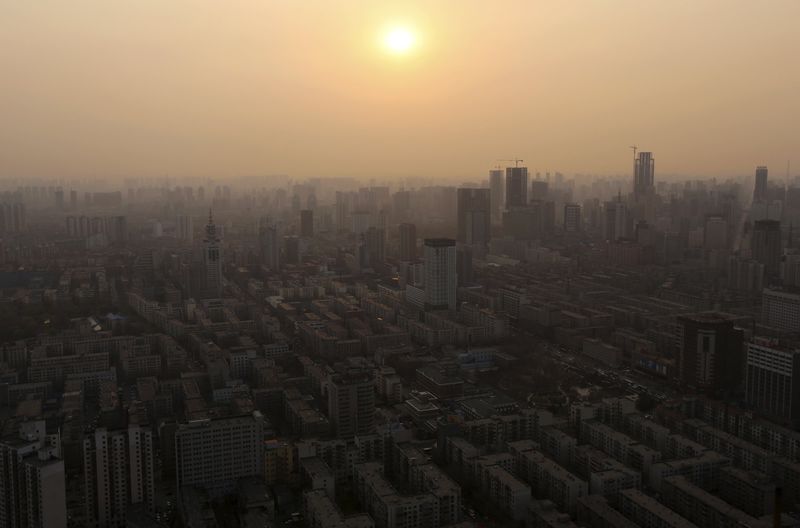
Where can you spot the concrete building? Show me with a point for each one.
(710, 351)
(781, 310)
(351, 403)
(212, 262)
(32, 480)
(572, 217)
(214, 453)
(408, 242)
(516, 187)
(767, 246)
(441, 280)
(474, 216)
(644, 174)
(497, 192)
(118, 474)
(772, 381)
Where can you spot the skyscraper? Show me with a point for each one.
(375, 240)
(474, 216)
(615, 221)
(643, 174)
(440, 273)
(497, 189)
(118, 471)
(307, 223)
(292, 249)
(516, 186)
(408, 242)
(32, 485)
(270, 247)
(710, 351)
(760, 189)
(185, 228)
(212, 261)
(766, 246)
(351, 403)
(572, 217)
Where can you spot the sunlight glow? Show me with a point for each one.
(399, 41)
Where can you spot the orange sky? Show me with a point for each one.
(242, 87)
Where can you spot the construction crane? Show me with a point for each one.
(634, 147)
(516, 161)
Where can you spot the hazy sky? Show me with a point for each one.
(306, 88)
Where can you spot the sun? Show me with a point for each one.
(399, 40)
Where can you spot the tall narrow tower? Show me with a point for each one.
(644, 174)
(212, 261)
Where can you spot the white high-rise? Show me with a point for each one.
(441, 280)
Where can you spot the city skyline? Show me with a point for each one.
(148, 89)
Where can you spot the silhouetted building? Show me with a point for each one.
(572, 217)
(185, 228)
(615, 220)
(474, 216)
(375, 240)
(307, 223)
(710, 351)
(516, 186)
(644, 174)
(498, 194)
(292, 249)
(270, 247)
(766, 246)
(464, 265)
(212, 261)
(760, 188)
(408, 242)
(440, 273)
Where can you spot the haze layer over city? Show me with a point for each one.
(350, 264)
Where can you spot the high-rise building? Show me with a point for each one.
(615, 224)
(572, 217)
(760, 188)
(212, 262)
(781, 310)
(497, 190)
(408, 242)
(215, 453)
(516, 186)
(32, 483)
(351, 403)
(464, 265)
(307, 223)
(185, 228)
(474, 216)
(772, 380)
(644, 174)
(710, 351)
(441, 280)
(118, 472)
(766, 246)
(292, 250)
(270, 247)
(375, 240)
